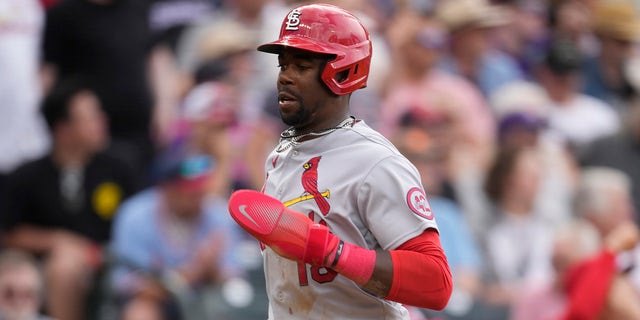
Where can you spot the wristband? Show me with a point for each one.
(354, 262)
(338, 254)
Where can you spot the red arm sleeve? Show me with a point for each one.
(421, 275)
(588, 285)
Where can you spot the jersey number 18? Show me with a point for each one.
(318, 274)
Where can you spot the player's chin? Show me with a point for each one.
(290, 112)
(293, 119)
(288, 106)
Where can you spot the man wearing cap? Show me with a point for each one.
(60, 207)
(470, 23)
(616, 25)
(175, 234)
(574, 118)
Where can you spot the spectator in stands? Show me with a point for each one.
(622, 149)
(21, 287)
(616, 24)
(574, 118)
(472, 55)
(206, 119)
(418, 44)
(587, 282)
(217, 49)
(559, 169)
(591, 280)
(23, 134)
(571, 20)
(173, 238)
(169, 18)
(222, 116)
(518, 242)
(522, 111)
(525, 37)
(168, 22)
(109, 42)
(256, 16)
(604, 200)
(447, 106)
(60, 206)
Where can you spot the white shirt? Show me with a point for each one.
(520, 250)
(22, 131)
(582, 120)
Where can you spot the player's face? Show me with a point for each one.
(302, 98)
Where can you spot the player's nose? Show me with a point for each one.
(284, 78)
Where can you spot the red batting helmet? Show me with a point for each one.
(330, 30)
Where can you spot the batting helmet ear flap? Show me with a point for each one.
(337, 78)
(356, 72)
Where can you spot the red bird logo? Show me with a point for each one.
(310, 184)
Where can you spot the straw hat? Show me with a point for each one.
(458, 14)
(213, 39)
(617, 19)
(223, 38)
(519, 96)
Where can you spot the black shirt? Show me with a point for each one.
(109, 46)
(36, 196)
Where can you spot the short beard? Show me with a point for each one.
(298, 119)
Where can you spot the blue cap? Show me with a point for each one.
(520, 120)
(176, 162)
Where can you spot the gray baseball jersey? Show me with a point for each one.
(358, 184)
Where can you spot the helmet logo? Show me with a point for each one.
(293, 20)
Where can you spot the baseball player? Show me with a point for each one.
(346, 226)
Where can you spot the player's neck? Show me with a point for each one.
(292, 136)
(310, 133)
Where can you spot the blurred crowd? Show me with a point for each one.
(126, 124)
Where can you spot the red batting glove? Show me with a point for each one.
(294, 236)
(289, 233)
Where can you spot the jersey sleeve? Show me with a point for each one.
(392, 202)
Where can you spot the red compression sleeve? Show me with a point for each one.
(421, 275)
(588, 285)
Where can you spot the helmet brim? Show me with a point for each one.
(300, 43)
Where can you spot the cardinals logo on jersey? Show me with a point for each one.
(310, 185)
